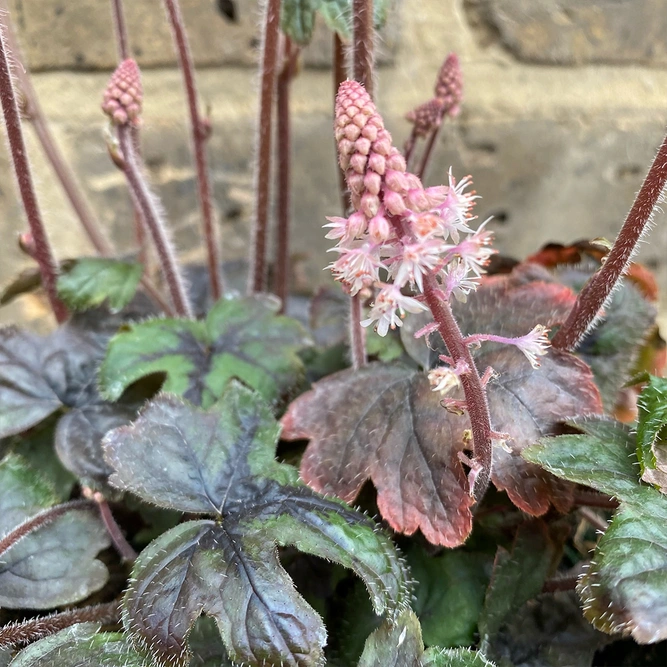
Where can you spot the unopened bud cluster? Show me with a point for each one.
(123, 95)
(399, 231)
(446, 101)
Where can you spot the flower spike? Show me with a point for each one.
(124, 94)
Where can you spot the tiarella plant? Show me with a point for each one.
(177, 457)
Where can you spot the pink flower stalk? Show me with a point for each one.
(533, 345)
(396, 241)
(398, 225)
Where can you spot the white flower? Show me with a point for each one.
(357, 266)
(384, 311)
(534, 344)
(456, 282)
(414, 260)
(474, 251)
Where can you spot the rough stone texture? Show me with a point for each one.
(572, 32)
(556, 152)
(78, 34)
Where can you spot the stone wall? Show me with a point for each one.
(565, 104)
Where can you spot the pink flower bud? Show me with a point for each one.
(362, 145)
(377, 163)
(394, 203)
(352, 132)
(413, 182)
(358, 163)
(345, 147)
(123, 94)
(396, 161)
(370, 204)
(396, 180)
(417, 200)
(379, 228)
(355, 181)
(372, 182)
(449, 86)
(370, 132)
(356, 225)
(382, 144)
(360, 119)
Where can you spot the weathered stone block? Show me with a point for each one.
(572, 32)
(64, 34)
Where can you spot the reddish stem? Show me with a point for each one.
(152, 217)
(42, 519)
(200, 134)
(33, 629)
(283, 175)
(594, 519)
(594, 499)
(124, 52)
(257, 276)
(362, 68)
(122, 39)
(597, 290)
(43, 254)
(122, 546)
(428, 150)
(363, 42)
(34, 113)
(478, 409)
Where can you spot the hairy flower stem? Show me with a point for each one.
(597, 290)
(122, 39)
(122, 546)
(200, 133)
(363, 41)
(152, 217)
(31, 630)
(594, 499)
(42, 519)
(257, 277)
(283, 174)
(33, 112)
(123, 48)
(428, 151)
(362, 69)
(43, 254)
(475, 395)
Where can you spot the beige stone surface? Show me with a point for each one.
(78, 34)
(557, 153)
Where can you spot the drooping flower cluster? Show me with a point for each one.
(400, 231)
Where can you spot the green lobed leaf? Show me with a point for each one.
(90, 281)
(221, 462)
(26, 396)
(625, 588)
(297, 19)
(23, 493)
(652, 432)
(337, 14)
(82, 646)
(55, 564)
(603, 457)
(240, 338)
(516, 578)
(395, 644)
(399, 644)
(449, 594)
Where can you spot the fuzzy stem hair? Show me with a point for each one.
(598, 289)
(43, 254)
(200, 134)
(271, 33)
(152, 215)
